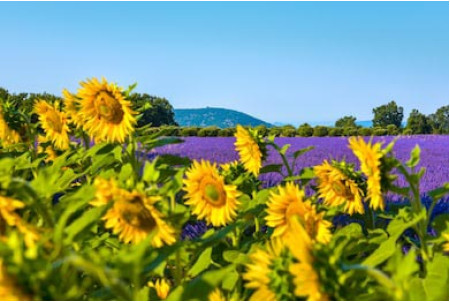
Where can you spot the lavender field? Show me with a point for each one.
(434, 153)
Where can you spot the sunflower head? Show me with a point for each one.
(445, 236)
(289, 201)
(268, 273)
(251, 149)
(371, 157)
(9, 290)
(336, 187)
(106, 115)
(54, 124)
(8, 134)
(216, 295)
(208, 195)
(133, 215)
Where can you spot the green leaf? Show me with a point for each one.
(230, 280)
(88, 219)
(235, 256)
(151, 174)
(300, 152)
(271, 168)
(203, 262)
(436, 281)
(284, 149)
(415, 157)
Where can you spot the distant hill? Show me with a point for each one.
(214, 116)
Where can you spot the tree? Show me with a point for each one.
(346, 121)
(156, 111)
(418, 123)
(388, 114)
(439, 120)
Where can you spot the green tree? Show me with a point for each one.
(418, 123)
(157, 111)
(346, 121)
(388, 114)
(439, 120)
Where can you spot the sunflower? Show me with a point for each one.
(72, 107)
(54, 124)
(336, 188)
(305, 278)
(227, 166)
(290, 200)
(208, 195)
(51, 153)
(248, 149)
(216, 295)
(259, 271)
(162, 288)
(8, 136)
(445, 236)
(370, 156)
(9, 290)
(132, 215)
(106, 115)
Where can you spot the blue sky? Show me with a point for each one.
(285, 61)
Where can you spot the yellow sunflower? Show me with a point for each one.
(54, 124)
(72, 108)
(335, 188)
(162, 288)
(106, 115)
(8, 136)
(289, 201)
(259, 270)
(445, 236)
(216, 295)
(132, 215)
(306, 279)
(208, 195)
(9, 290)
(248, 149)
(370, 157)
(227, 166)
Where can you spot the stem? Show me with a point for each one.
(286, 163)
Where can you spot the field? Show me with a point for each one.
(93, 207)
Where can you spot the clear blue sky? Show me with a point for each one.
(286, 61)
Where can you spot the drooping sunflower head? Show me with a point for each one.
(54, 124)
(370, 156)
(72, 108)
(8, 136)
(250, 152)
(162, 288)
(289, 201)
(106, 114)
(208, 195)
(305, 278)
(133, 215)
(337, 188)
(268, 272)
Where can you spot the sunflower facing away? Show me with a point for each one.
(289, 201)
(248, 149)
(72, 107)
(306, 279)
(216, 295)
(132, 215)
(107, 116)
(9, 291)
(54, 124)
(8, 136)
(260, 269)
(370, 157)
(208, 195)
(335, 188)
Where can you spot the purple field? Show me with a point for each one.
(434, 153)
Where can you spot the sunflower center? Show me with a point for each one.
(109, 108)
(54, 122)
(342, 190)
(136, 215)
(213, 193)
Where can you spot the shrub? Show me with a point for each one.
(210, 131)
(350, 131)
(288, 132)
(320, 131)
(305, 131)
(189, 132)
(407, 131)
(363, 131)
(226, 132)
(392, 130)
(275, 131)
(335, 131)
(380, 131)
(262, 130)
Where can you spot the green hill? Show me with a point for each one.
(213, 116)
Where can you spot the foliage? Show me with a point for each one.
(100, 221)
(439, 120)
(346, 121)
(320, 131)
(156, 111)
(418, 123)
(388, 114)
